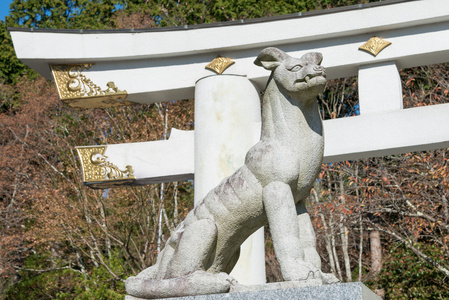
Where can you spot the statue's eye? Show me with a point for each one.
(295, 68)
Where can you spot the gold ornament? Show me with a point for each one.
(374, 45)
(219, 64)
(98, 172)
(78, 91)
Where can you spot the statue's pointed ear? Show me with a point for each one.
(315, 57)
(270, 58)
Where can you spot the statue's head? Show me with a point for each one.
(302, 75)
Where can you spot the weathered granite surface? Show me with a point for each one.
(271, 187)
(341, 291)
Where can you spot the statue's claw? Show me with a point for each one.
(303, 271)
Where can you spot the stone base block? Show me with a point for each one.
(284, 291)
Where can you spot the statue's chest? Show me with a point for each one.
(310, 165)
(273, 161)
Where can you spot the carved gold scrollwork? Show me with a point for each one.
(374, 45)
(98, 172)
(78, 91)
(219, 64)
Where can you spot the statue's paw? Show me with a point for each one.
(133, 286)
(303, 271)
(227, 278)
(129, 280)
(329, 278)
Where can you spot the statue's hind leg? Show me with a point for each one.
(307, 236)
(157, 270)
(182, 268)
(194, 248)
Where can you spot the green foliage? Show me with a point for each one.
(8, 99)
(322, 4)
(46, 277)
(63, 14)
(222, 10)
(98, 14)
(60, 14)
(40, 285)
(405, 276)
(171, 13)
(10, 67)
(100, 284)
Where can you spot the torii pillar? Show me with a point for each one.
(227, 125)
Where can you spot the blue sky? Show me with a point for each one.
(4, 8)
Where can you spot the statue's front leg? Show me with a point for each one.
(282, 218)
(308, 242)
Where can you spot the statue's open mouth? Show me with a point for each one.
(310, 78)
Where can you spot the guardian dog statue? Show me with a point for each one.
(271, 187)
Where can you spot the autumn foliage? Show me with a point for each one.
(50, 221)
(382, 221)
(371, 211)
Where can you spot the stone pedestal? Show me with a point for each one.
(290, 291)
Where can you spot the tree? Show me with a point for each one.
(54, 225)
(63, 14)
(10, 67)
(400, 200)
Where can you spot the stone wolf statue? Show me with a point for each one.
(271, 187)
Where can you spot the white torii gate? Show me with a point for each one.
(107, 68)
